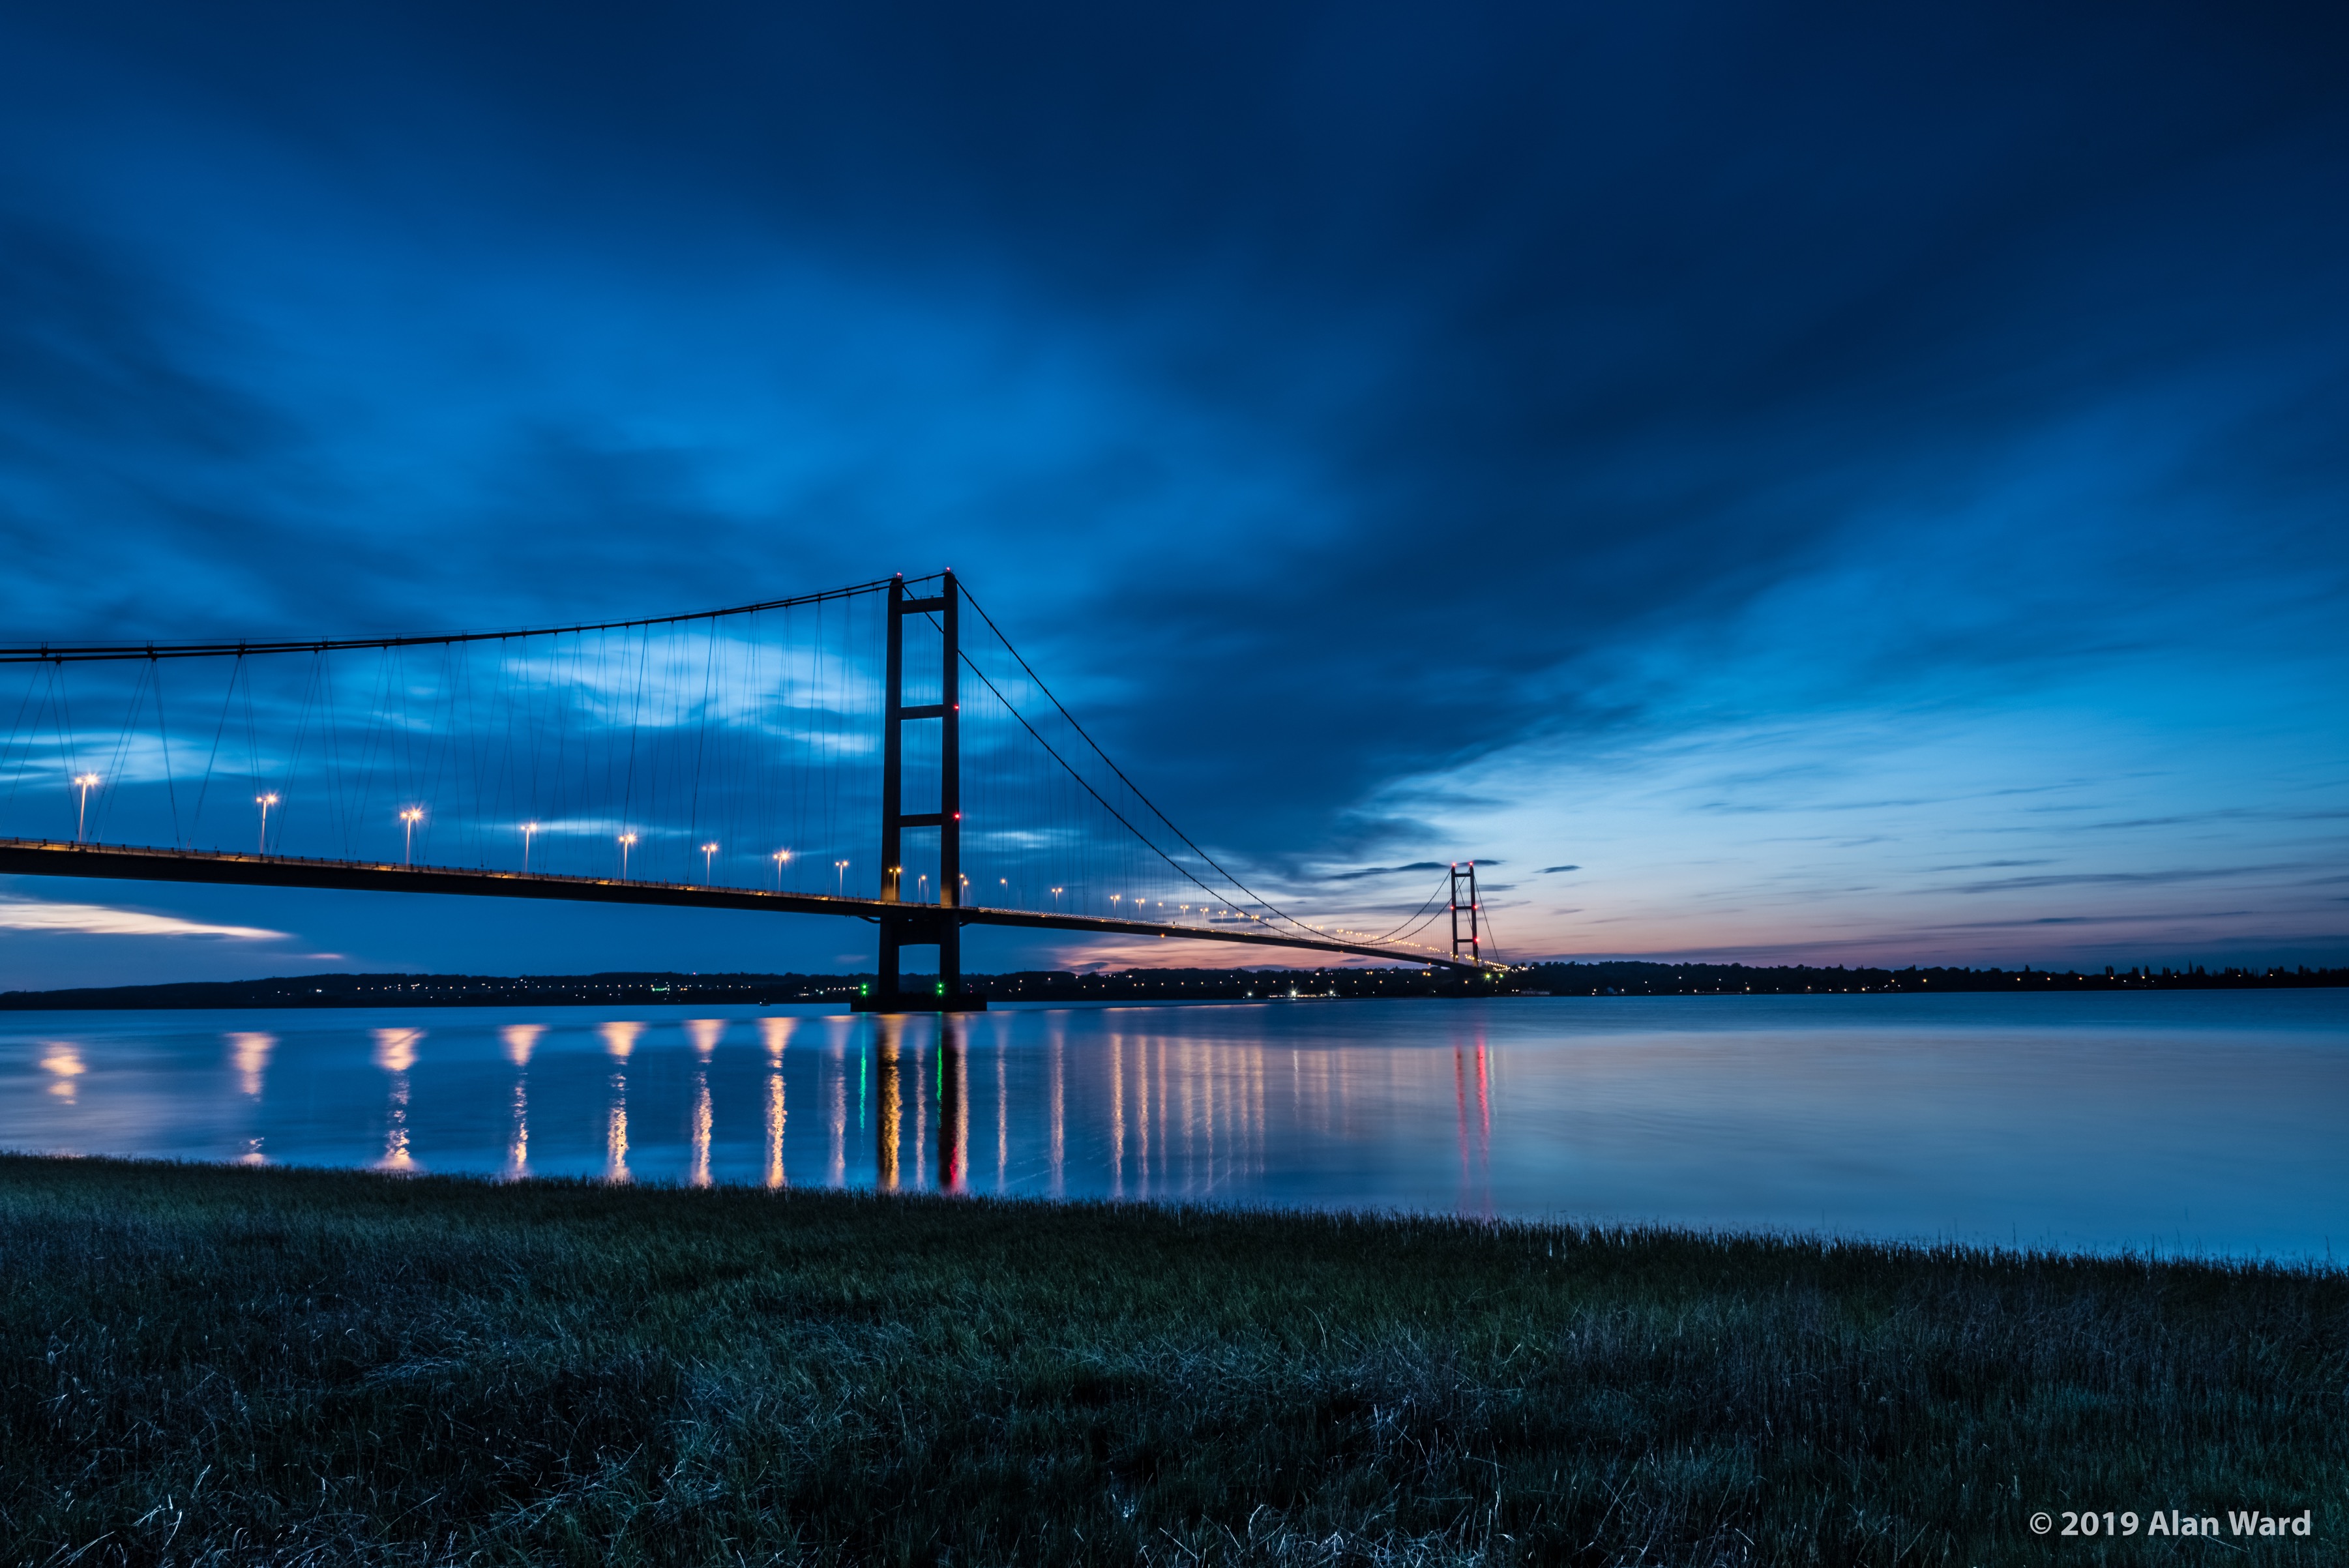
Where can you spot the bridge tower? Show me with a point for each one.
(922, 925)
(1465, 934)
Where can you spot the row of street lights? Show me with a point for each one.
(412, 814)
(84, 782)
(782, 857)
(628, 841)
(409, 815)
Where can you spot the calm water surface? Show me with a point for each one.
(2191, 1122)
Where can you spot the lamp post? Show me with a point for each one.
(779, 857)
(264, 802)
(84, 783)
(708, 851)
(625, 839)
(411, 815)
(528, 828)
(1056, 900)
(840, 877)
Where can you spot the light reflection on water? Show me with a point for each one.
(395, 1053)
(63, 1062)
(251, 1054)
(2185, 1122)
(518, 1039)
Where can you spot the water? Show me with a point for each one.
(2193, 1122)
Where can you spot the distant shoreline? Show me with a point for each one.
(649, 988)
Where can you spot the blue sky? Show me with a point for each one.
(1853, 485)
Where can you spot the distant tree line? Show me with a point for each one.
(1633, 979)
(1615, 978)
(448, 990)
(663, 988)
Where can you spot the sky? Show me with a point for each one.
(1784, 483)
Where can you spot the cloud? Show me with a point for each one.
(2167, 917)
(2111, 879)
(1332, 400)
(99, 919)
(1548, 870)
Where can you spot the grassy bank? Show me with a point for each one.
(244, 1367)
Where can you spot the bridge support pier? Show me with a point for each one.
(922, 926)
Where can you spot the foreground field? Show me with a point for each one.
(245, 1366)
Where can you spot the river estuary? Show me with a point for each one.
(2181, 1123)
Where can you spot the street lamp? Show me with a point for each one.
(1056, 900)
(528, 828)
(264, 802)
(625, 839)
(84, 783)
(779, 857)
(840, 877)
(410, 815)
(707, 851)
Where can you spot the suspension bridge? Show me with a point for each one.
(855, 753)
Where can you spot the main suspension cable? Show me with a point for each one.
(1129, 784)
(1414, 915)
(67, 653)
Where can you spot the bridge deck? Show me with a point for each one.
(48, 858)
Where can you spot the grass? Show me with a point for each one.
(207, 1364)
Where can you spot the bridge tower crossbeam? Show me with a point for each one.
(1465, 931)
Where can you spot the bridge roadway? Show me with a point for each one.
(49, 858)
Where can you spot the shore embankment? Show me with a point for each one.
(209, 1364)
